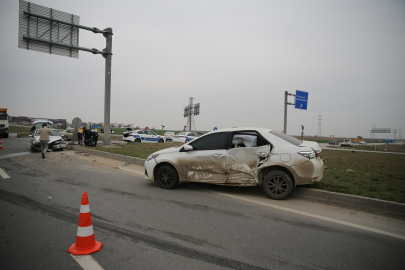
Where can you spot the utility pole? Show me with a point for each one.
(285, 109)
(319, 126)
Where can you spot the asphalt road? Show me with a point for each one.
(195, 226)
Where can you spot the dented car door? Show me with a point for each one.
(242, 163)
(202, 166)
(206, 162)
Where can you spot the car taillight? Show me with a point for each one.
(308, 154)
(318, 154)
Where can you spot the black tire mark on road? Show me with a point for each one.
(28, 203)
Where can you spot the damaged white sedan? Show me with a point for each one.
(55, 143)
(240, 157)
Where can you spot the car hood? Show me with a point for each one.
(313, 145)
(51, 138)
(171, 149)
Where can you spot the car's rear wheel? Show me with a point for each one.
(278, 185)
(166, 177)
(187, 140)
(137, 140)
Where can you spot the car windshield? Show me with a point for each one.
(182, 133)
(286, 137)
(54, 133)
(39, 125)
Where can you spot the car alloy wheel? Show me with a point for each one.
(278, 185)
(166, 177)
(138, 140)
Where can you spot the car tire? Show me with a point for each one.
(65, 138)
(160, 141)
(278, 185)
(137, 140)
(6, 135)
(167, 177)
(187, 140)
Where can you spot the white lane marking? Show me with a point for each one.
(87, 262)
(315, 216)
(3, 174)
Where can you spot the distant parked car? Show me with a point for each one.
(346, 142)
(362, 142)
(138, 136)
(169, 136)
(67, 134)
(333, 142)
(185, 137)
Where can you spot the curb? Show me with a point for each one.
(108, 155)
(322, 195)
(365, 202)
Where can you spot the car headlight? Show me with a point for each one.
(152, 156)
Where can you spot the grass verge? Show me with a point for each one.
(380, 176)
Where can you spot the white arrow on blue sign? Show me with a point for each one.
(301, 100)
(302, 133)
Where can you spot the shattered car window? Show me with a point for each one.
(245, 140)
(214, 141)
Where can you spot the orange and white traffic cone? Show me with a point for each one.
(1, 145)
(85, 241)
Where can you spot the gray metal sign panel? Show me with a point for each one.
(380, 130)
(53, 31)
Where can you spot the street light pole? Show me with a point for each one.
(107, 54)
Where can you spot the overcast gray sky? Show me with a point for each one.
(236, 58)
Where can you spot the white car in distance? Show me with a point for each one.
(240, 157)
(185, 137)
(169, 135)
(138, 136)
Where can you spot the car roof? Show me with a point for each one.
(242, 129)
(43, 121)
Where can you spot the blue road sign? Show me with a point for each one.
(302, 133)
(389, 141)
(301, 100)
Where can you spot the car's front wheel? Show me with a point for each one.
(278, 185)
(160, 141)
(187, 140)
(166, 177)
(65, 138)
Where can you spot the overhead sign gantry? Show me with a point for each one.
(52, 31)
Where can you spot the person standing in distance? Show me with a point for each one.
(44, 133)
(94, 135)
(32, 130)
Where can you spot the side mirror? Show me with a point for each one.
(187, 147)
